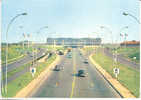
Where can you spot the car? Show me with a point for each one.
(86, 61)
(69, 56)
(60, 53)
(69, 49)
(57, 68)
(82, 73)
(30, 54)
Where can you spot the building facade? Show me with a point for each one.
(73, 41)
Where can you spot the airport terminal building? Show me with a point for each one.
(73, 41)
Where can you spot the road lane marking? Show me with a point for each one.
(74, 77)
(92, 84)
(57, 84)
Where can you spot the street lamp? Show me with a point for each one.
(125, 35)
(44, 27)
(128, 14)
(22, 43)
(103, 27)
(10, 23)
(38, 32)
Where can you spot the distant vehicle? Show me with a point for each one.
(39, 48)
(43, 53)
(60, 53)
(69, 49)
(82, 73)
(30, 54)
(69, 56)
(57, 68)
(86, 61)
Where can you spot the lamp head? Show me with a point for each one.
(126, 26)
(46, 26)
(24, 13)
(101, 27)
(125, 14)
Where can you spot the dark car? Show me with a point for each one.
(86, 61)
(69, 56)
(57, 68)
(29, 54)
(81, 73)
(60, 53)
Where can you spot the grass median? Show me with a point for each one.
(15, 52)
(130, 53)
(14, 71)
(128, 77)
(16, 85)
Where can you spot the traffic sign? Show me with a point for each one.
(116, 71)
(33, 71)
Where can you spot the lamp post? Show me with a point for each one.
(38, 32)
(123, 35)
(128, 14)
(10, 23)
(44, 27)
(98, 36)
(24, 35)
(103, 27)
(22, 43)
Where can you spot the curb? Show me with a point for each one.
(120, 89)
(36, 83)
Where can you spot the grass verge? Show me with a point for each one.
(16, 85)
(128, 77)
(130, 53)
(15, 52)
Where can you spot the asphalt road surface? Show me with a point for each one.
(19, 63)
(122, 60)
(65, 83)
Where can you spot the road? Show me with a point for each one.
(19, 63)
(122, 60)
(66, 83)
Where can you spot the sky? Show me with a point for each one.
(70, 18)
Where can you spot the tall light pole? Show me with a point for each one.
(22, 43)
(38, 32)
(96, 44)
(123, 35)
(10, 23)
(24, 35)
(103, 27)
(28, 36)
(44, 27)
(128, 14)
(116, 42)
